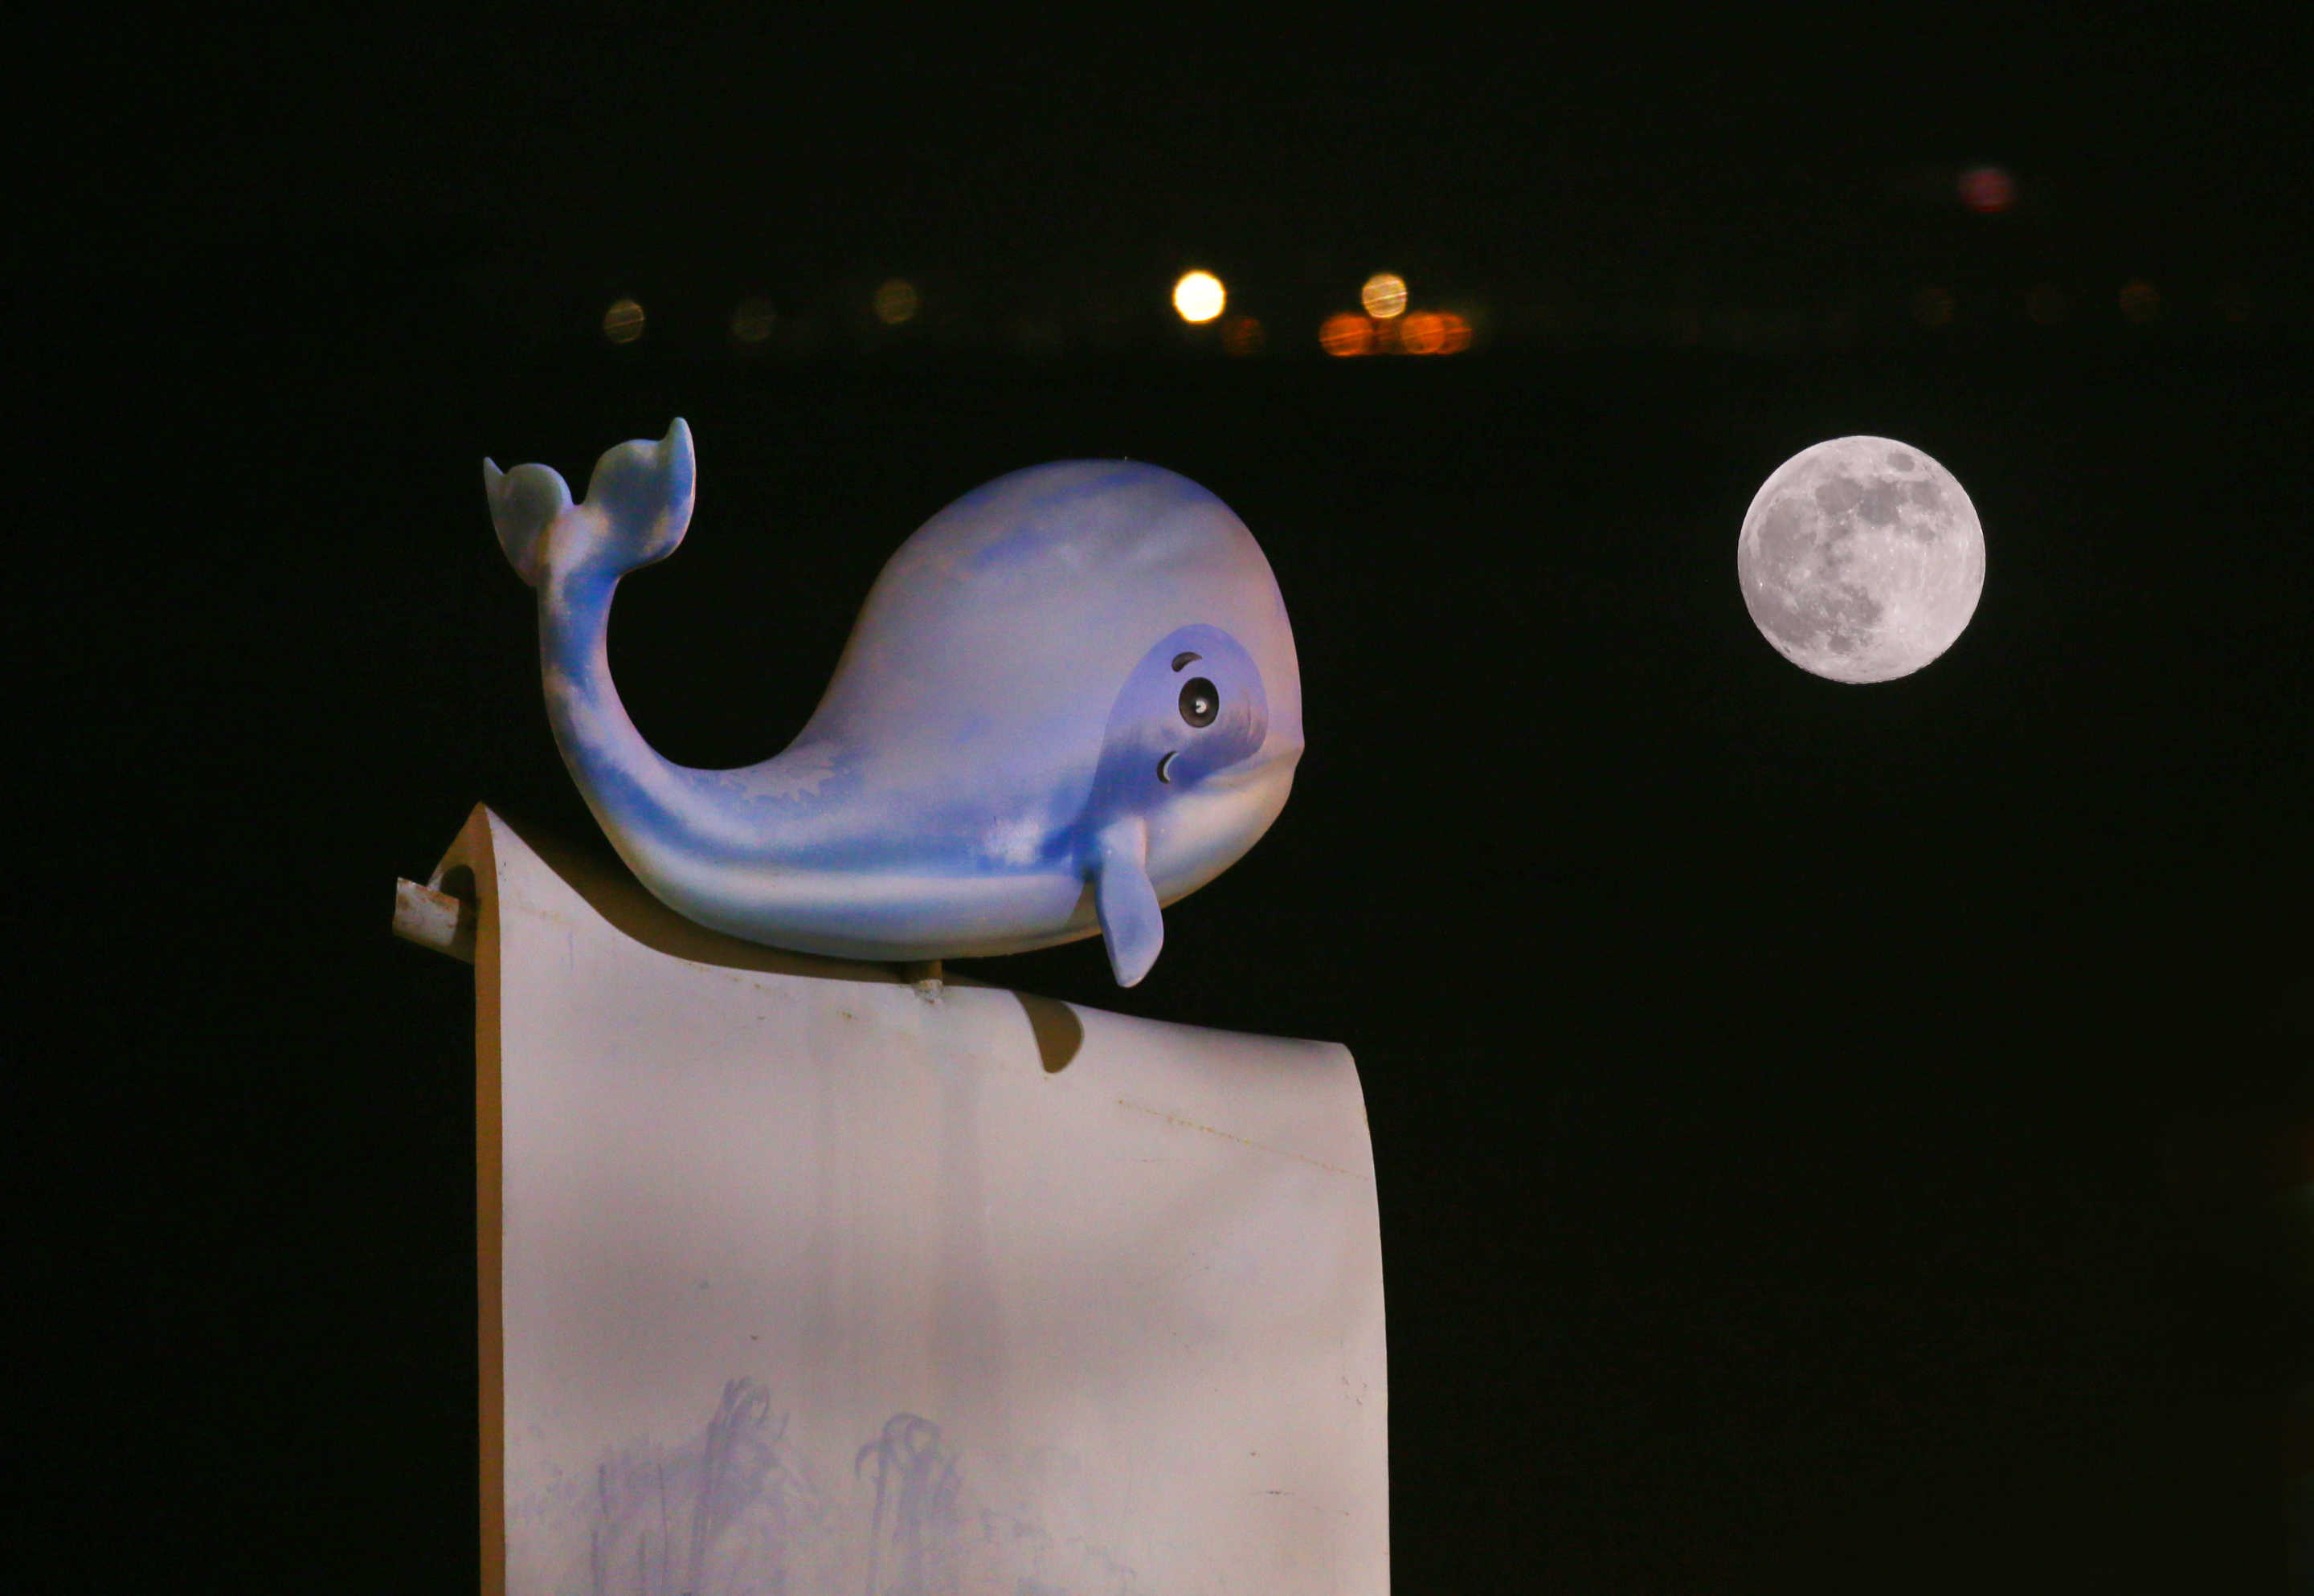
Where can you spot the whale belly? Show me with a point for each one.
(891, 914)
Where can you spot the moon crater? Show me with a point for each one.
(1861, 560)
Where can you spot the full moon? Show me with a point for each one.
(1861, 560)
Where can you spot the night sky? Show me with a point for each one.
(1828, 1137)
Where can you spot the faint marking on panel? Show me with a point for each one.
(1191, 1124)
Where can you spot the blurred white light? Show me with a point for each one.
(1384, 295)
(1199, 296)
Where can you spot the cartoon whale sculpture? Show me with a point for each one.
(1071, 699)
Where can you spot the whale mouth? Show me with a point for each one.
(1165, 766)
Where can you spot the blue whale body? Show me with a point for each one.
(1071, 699)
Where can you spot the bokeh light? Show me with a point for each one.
(1424, 333)
(1383, 295)
(1242, 335)
(896, 302)
(1987, 190)
(622, 323)
(1199, 296)
(1393, 324)
(752, 320)
(1427, 332)
(1346, 334)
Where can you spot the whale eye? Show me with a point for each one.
(1200, 701)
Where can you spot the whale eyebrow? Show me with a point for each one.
(1184, 657)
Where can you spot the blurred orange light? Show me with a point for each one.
(2140, 301)
(1457, 331)
(751, 321)
(622, 323)
(1987, 190)
(896, 302)
(1199, 296)
(1384, 295)
(1242, 335)
(1424, 333)
(1346, 334)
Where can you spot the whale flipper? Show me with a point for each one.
(1132, 923)
(638, 507)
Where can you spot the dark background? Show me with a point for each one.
(1828, 1137)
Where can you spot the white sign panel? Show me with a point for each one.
(805, 1284)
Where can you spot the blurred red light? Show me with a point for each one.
(1987, 190)
(1242, 335)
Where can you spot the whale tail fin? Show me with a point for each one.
(525, 504)
(637, 509)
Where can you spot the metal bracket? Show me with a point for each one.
(435, 918)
